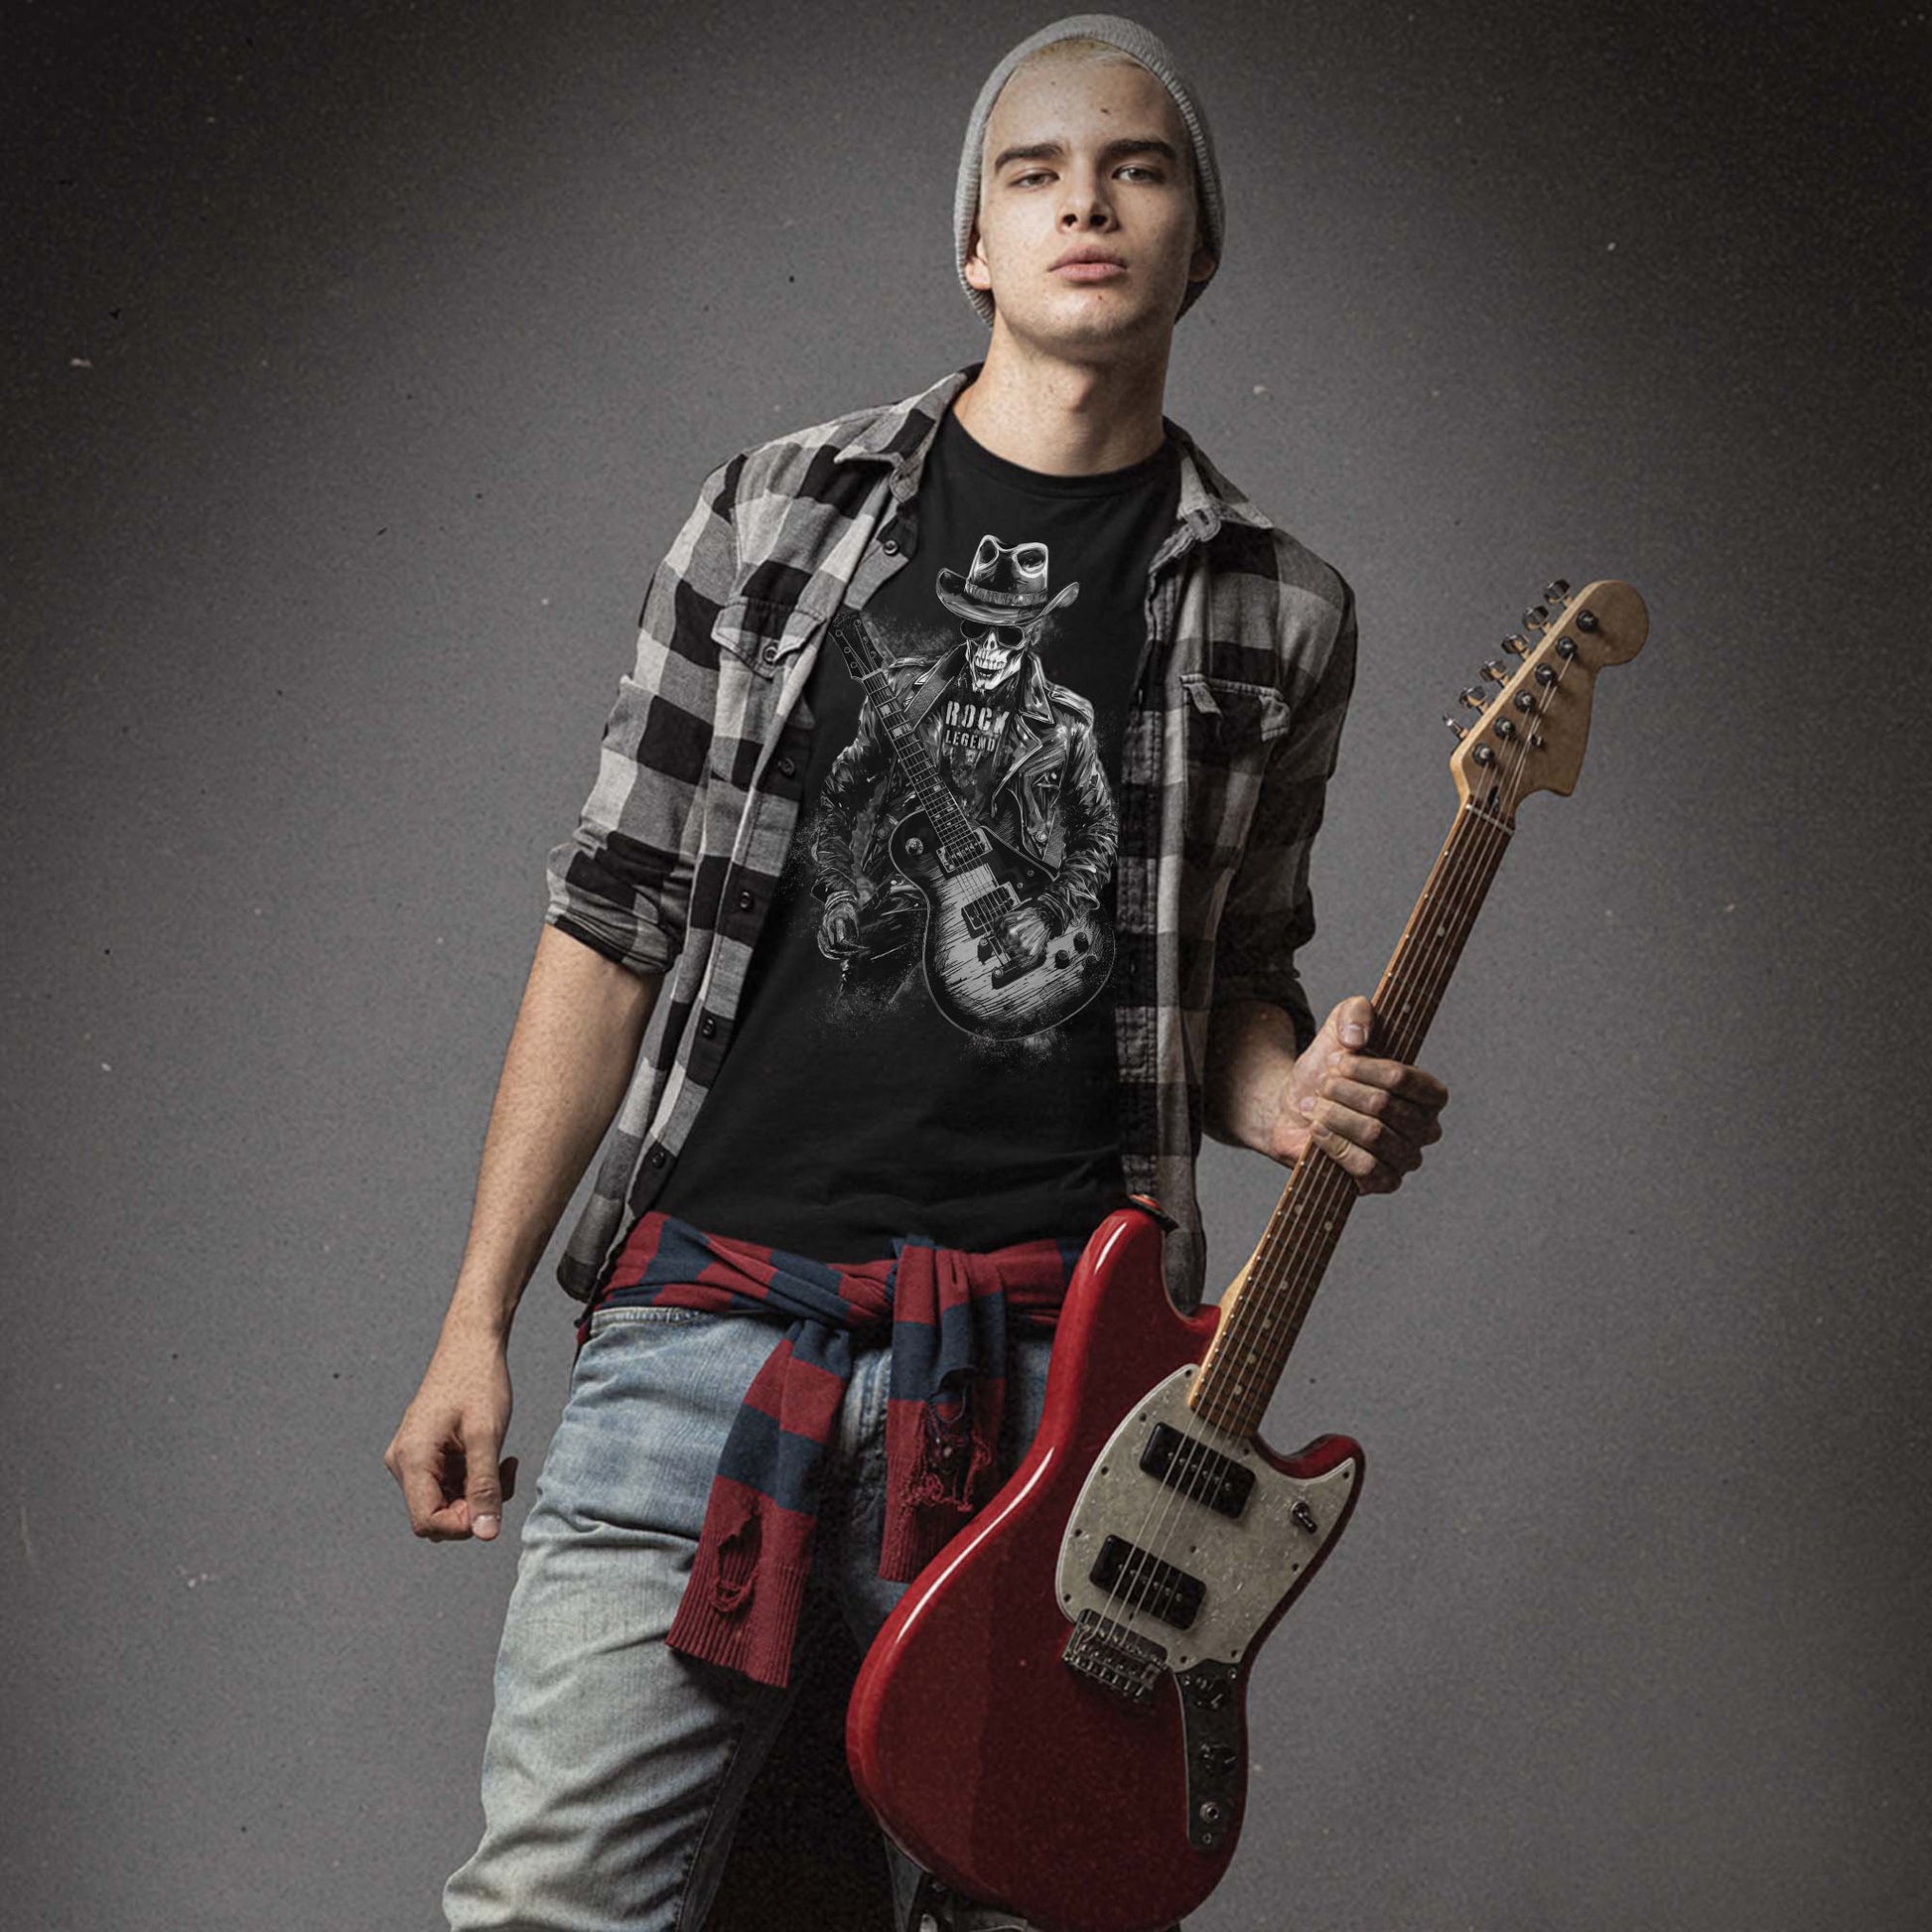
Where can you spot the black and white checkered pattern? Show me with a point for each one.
(1230, 739)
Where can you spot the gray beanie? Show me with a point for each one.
(1152, 53)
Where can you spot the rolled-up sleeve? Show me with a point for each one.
(621, 881)
(1269, 912)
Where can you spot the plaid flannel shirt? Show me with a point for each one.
(1237, 706)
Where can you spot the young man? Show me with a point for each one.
(862, 1099)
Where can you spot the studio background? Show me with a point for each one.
(362, 360)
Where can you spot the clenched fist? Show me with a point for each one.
(444, 1450)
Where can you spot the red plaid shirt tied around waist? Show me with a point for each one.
(948, 1312)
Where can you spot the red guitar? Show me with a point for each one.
(1053, 1721)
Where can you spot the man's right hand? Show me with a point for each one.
(445, 1450)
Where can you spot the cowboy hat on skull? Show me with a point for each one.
(1004, 600)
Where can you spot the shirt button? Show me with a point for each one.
(786, 767)
(769, 653)
(708, 1025)
(747, 901)
(891, 546)
(657, 1157)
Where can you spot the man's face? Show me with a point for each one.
(1071, 192)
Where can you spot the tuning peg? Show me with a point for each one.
(1556, 589)
(1460, 733)
(1535, 618)
(1474, 699)
(1514, 646)
(1496, 673)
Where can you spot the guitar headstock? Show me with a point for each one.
(854, 637)
(1529, 734)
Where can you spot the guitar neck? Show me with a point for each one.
(1261, 1313)
(913, 756)
(920, 773)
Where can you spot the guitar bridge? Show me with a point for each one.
(1120, 1659)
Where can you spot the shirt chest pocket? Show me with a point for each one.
(758, 639)
(762, 632)
(1232, 718)
(1229, 728)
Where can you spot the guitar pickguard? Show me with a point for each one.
(1176, 1570)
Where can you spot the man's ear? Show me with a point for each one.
(975, 266)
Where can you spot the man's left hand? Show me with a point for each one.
(1373, 1116)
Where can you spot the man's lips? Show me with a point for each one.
(1089, 271)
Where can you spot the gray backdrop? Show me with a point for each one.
(361, 359)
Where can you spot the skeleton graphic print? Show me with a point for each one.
(962, 837)
(926, 1038)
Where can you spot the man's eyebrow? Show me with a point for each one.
(1109, 151)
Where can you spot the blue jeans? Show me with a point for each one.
(614, 1767)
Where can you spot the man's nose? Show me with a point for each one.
(1086, 202)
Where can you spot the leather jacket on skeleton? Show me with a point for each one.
(1049, 797)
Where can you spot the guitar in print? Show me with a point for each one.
(971, 879)
(1052, 1719)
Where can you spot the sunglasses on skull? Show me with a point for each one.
(1008, 637)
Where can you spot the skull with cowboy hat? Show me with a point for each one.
(1004, 599)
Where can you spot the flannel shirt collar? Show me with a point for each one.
(902, 433)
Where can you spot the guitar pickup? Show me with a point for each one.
(1148, 1583)
(1199, 1471)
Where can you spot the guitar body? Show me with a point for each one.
(1100, 1791)
(979, 982)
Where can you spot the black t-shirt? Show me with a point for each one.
(924, 1043)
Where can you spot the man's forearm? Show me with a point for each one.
(570, 1058)
(1250, 1053)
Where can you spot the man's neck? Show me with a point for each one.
(1064, 418)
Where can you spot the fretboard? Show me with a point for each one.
(1261, 1313)
(960, 842)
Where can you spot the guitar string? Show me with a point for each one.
(1324, 1197)
(1190, 1483)
(1460, 892)
(1440, 955)
(1470, 852)
(1174, 1494)
(1489, 843)
(1169, 1501)
(929, 789)
(891, 706)
(1436, 962)
(922, 777)
(1473, 863)
(1298, 1240)
(1440, 961)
